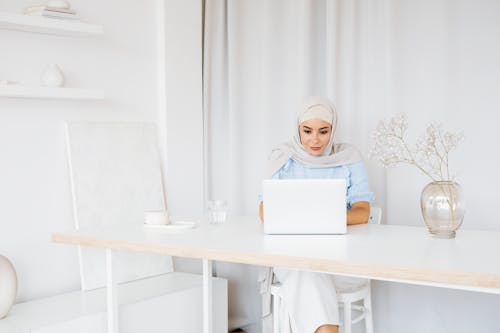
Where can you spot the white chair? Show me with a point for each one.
(345, 299)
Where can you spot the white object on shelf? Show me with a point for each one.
(20, 91)
(52, 76)
(58, 4)
(44, 25)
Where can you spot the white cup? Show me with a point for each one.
(156, 217)
(217, 211)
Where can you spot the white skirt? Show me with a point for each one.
(309, 299)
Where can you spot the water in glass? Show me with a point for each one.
(217, 211)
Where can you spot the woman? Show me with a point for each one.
(309, 299)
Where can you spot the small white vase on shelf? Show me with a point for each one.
(8, 285)
(58, 4)
(52, 76)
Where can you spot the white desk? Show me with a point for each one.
(383, 252)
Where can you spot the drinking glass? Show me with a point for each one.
(217, 211)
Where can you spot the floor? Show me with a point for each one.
(254, 328)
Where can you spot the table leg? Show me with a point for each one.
(207, 297)
(112, 305)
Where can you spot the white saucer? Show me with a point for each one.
(173, 225)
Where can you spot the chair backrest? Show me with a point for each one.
(375, 215)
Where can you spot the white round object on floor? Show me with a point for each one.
(8, 285)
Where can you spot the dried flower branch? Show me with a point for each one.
(430, 154)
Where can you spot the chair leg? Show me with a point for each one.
(368, 313)
(276, 317)
(347, 317)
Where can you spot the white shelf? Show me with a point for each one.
(19, 91)
(44, 25)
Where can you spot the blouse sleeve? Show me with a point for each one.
(358, 188)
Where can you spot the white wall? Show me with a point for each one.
(34, 188)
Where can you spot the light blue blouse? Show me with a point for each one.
(355, 174)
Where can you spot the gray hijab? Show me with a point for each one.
(335, 154)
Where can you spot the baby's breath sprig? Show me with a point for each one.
(430, 154)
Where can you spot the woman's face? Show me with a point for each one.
(314, 136)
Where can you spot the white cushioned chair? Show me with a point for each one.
(346, 299)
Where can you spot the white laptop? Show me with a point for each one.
(304, 206)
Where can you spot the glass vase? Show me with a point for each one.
(443, 208)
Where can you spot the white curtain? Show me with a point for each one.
(261, 58)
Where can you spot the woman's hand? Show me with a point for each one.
(359, 213)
